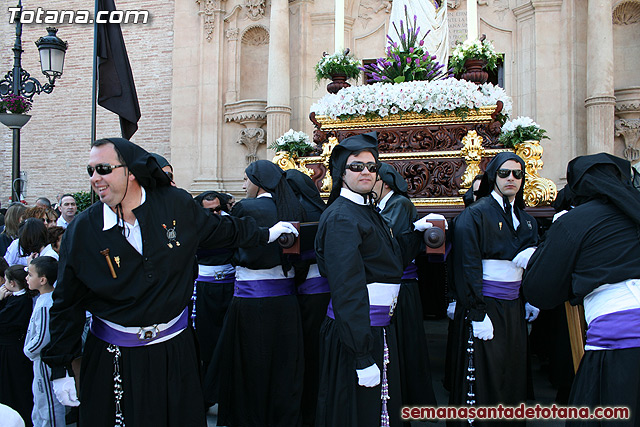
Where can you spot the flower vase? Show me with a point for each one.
(14, 121)
(474, 71)
(338, 81)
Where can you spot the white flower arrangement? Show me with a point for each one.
(473, 49)
(297, 143)
(519, 130)
(428, 97)
(338, 63)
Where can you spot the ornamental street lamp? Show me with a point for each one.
(19, 82)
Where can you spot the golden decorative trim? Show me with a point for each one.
(538, 191)
(472, 151)
(327, 148)
(483, 114)
(286, 161)
(437, 201)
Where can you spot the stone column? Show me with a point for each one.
(600, 102)
(278, 83)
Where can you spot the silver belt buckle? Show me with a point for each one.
(392, 307)
(148, 333)
(219, 275)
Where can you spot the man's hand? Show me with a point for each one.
(279, 229)
(522, 259)
(484, 329)
(451, 310)
(531, 312)
(432, 216)
(422, 224)
(369, 377)
(65, 391)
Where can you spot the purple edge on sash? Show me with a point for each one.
(264, 288)
(501, 290)
(314, 285)
(378, 314)
(615, 330)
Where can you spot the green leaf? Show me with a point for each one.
(399, 79)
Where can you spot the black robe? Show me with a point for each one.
(482, 231)
(257, 370)
(161, 381)
(355, 247)
(415, 369)
(598, 245)
(16, 370)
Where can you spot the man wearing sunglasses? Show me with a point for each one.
(493, 240)
(363, 262)
(130, 261)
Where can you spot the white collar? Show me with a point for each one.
(500, 200)
(109, 217)
(20, 292)
(354, 197)
(383, 203)
(264, 195)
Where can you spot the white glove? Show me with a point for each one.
(531, 312)
(422, 224)
(279, 229)
(484, 329)
(438, 216)
(65, 391)
(369, 377)
(522, 259)
(558, 215)
(451, 310)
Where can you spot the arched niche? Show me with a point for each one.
(254, 58)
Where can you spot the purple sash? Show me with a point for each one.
(264, 288)
(501, 290)
(615, 330)
(378, 314)
(144, 335)
(411, 272)
(314, 285)
(222, 278)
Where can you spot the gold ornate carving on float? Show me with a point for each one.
(286, 160)
(472, 151)
(538, 191)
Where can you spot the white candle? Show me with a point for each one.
(472, 19)
(339, 26)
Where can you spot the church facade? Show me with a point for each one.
(218, 80)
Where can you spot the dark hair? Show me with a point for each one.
(54, 233)
(33, 236)
(67, 195)
(100, 143)
(3, 265)
(12, 219)
(18, 274)
(46, 266)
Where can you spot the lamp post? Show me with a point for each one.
(19, 82)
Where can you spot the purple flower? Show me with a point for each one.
(425, 58)
(417, 61)
(408, 60)
(421, 42)
(411, 50)
(403, 36)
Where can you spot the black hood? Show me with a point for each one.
(489, 178)
(390, 176)
(605, 177)
(342, 151)
(306, 190)
(141, 163)
(268, 176)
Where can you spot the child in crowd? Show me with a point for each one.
(16, 372)
(47, 410)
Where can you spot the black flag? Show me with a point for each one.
(116, 90)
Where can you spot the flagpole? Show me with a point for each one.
(94, 79)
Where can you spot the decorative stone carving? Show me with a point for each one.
(248, 112)
(255, 9)
(232, 34)
(251, 138)
(626, 13)
(453, 4)
(372, 7)
(472, 151)
(629, 130)
(538, 191)
(208, 6)
(255, 36)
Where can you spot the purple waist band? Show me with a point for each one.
(615, 330)
(144, 335)
(218, 278)
(378, 314)
(501, 290)
(264, 288)
(314, 285)
(411, 272)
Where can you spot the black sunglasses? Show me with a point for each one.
(504, 173)
(102, 168)
(359, 167)
(216, 209)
